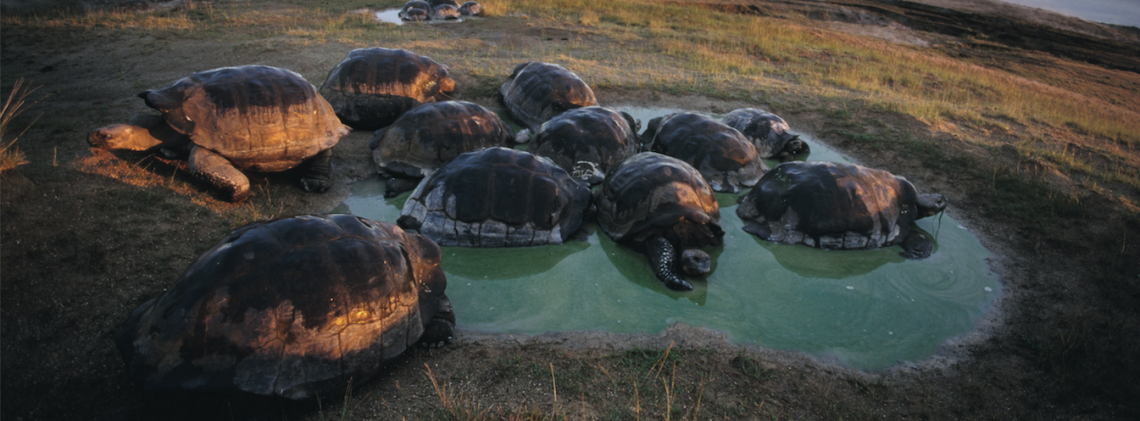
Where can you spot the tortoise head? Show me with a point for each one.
(695, 262)
(930, 204)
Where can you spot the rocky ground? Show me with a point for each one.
(88, 235)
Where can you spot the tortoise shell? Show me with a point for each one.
(497, 197)
(290, 307)
(432, 134)
(535, 92)
(726, 159)
(653, 195)
(415, 10)
(830, 205)
(768, 132)
(471, 8)
(373, 87)
(587, 141)
(260, 118)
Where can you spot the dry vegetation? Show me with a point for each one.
(1039, 152)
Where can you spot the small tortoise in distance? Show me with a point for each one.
(293, 307)
(256, 118)
(838, 206)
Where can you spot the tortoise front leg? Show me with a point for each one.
(439, 330)
(663, 257)
(219, 172)
(316, 172)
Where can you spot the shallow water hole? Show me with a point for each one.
(868, 309)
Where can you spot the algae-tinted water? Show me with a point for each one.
(869, 309)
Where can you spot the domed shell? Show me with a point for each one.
(651, 195)
(291, 307)
(587, 141)
(432, 134)
(471, 8)
(726, 159)
(769, 133)
(373, 87)
(536, 91)
(497, 197)
(830, 205)
(444, 12)
(415, 10)
(258, 117)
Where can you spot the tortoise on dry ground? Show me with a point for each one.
(292, 307)
(838, 206)
(657, 204)
(587, 141)
(769, 133)
(536, 91)
(372, 87)
(225, 120)
(431, 135)
(497, 197)
(726, 159)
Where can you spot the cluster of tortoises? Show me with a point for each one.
(419, 10)
(296, 306)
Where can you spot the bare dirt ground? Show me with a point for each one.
(87, 236)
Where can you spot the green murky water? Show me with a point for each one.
(868, 309)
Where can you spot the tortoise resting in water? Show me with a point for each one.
(292, 307)
(497, 197)
(768, 132)
(431, 135)
(256, 118)
(587, 141)
(372, 87)
(415, 10)
(657, 204)
(726, 159)
(536, 91)
(838, 206)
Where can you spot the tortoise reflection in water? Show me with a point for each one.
(291, 307)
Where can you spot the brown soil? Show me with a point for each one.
(87, 236)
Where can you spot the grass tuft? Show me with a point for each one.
(14, 105)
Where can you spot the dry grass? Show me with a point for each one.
(14, 105)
